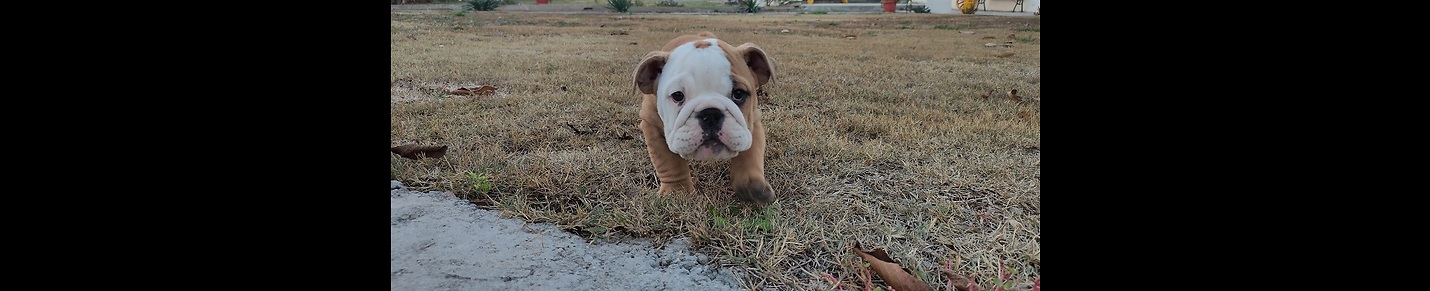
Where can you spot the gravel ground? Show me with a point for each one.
(441, 242)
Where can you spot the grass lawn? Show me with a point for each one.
(877, 133)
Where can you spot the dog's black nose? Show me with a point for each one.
(710, 119)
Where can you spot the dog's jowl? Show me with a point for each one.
(699, 104)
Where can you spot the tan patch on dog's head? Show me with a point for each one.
(702, 44)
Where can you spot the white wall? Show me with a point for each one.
(940, 6)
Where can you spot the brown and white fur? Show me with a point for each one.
(699, 104)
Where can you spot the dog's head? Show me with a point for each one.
(705, 93)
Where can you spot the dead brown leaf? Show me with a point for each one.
(1013, 94)
(1025, 115)
(483, 90)
(416, 152)
(893, 274)
(1031, 148)
(959, 282)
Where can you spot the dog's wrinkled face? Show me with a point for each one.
(699, 100)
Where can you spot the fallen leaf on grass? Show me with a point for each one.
(1025, 115)
(416, 152)
(483, 90)
(957, 281)
(1013, 94)
(893, 274)
(577, 131)
(1004, 54)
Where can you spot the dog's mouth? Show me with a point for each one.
(712, 142)
(710, 149)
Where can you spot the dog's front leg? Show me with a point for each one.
(747, 170)
(672, 170)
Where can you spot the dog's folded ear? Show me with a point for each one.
(758, 61)
(648, 70)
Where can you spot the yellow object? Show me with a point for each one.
(967, 6)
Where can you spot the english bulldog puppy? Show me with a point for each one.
(698, 103)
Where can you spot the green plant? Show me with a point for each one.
(749, 6)
(762, 222)
(720, 220)
(480, 182)
(943, 26)
(821, 12)
(669, 3)
(483, 5)
(1028, 28)
(1027, 39)
(920, 9)
(622, 6)
(462, 12)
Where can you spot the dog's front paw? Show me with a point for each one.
(758, 192)
(686, 186)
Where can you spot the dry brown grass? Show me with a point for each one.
(882, 139)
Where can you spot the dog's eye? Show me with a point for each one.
(739, 95)
(678, 96)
